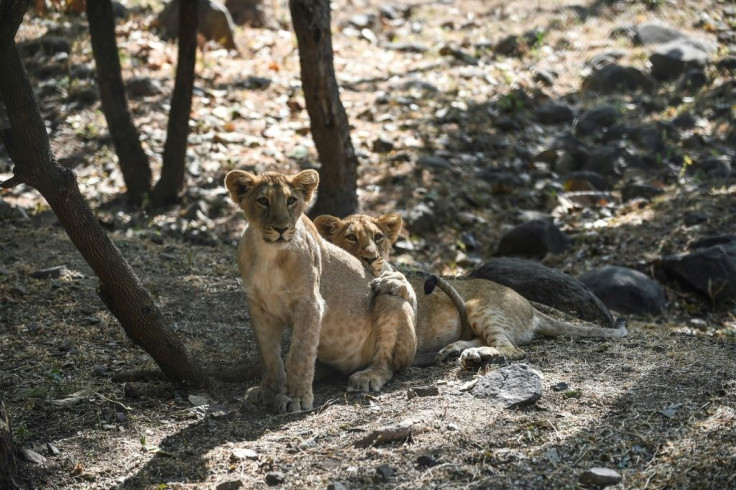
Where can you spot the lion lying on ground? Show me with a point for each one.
(499, 319)
(292, 277)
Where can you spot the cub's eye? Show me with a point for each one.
(291, 200)
(378, 237)
(352, 237)
(262, 201)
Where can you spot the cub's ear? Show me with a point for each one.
(239, 183)
(327, 226)
(391, 224)
(306, 182)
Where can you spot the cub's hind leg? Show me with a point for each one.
(496, 329)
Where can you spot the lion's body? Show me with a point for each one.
(500, 319)
(293, 278)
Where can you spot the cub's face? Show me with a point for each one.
(272, 202)
(367, 238)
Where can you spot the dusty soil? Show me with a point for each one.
(659, 406)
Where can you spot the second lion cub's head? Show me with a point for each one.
(273, 202)
(365, 237)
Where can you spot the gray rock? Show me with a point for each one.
(711, 271)
(615, 78)
(534, 238)
(652, 33)
(51, 273)
(713, 167)
(230, 485)
(597, 120)
(49, 45)
(625, 290)
(635, 190)
(275, 478)
(384, 472)
(692, 218)
(519, 45)
(52, 449)
(247, 12)
(383, 144)
(600, 477)
(31, 456)
(336, 486)
(692, 80)
(671, 60)
(143, 87)
(215, 21)
(609, 160)
(426, 461)
(545, 77)
(606, 58)
(554, 113)
(727, 63)
(241, 454)
(430, 161)
(543, 285)
(420, 219)
(120, 11)
(510, 386)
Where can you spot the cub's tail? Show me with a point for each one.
(552, 327)
(436, 281)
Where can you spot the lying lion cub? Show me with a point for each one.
(500, 318)
(292, 277)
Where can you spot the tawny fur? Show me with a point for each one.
(501, 320)
(294, 278)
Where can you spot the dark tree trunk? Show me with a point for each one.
(8, 465)
(28, 146)
(175, 150)
(329, 123)
(133, 160)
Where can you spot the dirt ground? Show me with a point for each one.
(659, 406)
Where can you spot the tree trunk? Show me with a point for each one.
(175, 150)
(133, 160)
(329, 123)
(8, 465)
(28, 146)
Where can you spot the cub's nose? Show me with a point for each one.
(370, 260)
(281, 230)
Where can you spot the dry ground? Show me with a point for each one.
(658, 406)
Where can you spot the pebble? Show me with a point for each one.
(601, 477)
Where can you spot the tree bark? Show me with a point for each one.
(28, 146)
(329, 122)
(133, 160)
(175, 150)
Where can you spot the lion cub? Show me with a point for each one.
(499, 318)
(293, 278)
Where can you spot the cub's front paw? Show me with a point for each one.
(259, 395)
(290, 404)
(393, 283)
(368, 380)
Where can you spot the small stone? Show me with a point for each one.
(230, 485)
(546, 78)
(336, 485)
(429, 161)
(426, 461)
(711, 271)
(670, 60)
(383, 144)
(554, 113)
(143, 87)
(511, 386)
(597, 120)
(53, 450)
(615, 78)
(275, 478)
(422, 391)
(51, 273)
(639, 191)
(384, 472)
(31, 456)
(421, 219)
(600, 477)
(695, 217)
(131, 391)
(241, 454)
(535, 238)
(561, 386)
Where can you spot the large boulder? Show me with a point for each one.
(710, 269)
(671, 60)
(541, 284)
(625, 290)
(535, 238)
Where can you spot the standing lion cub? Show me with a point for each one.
(294, 278)
(499, 319)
